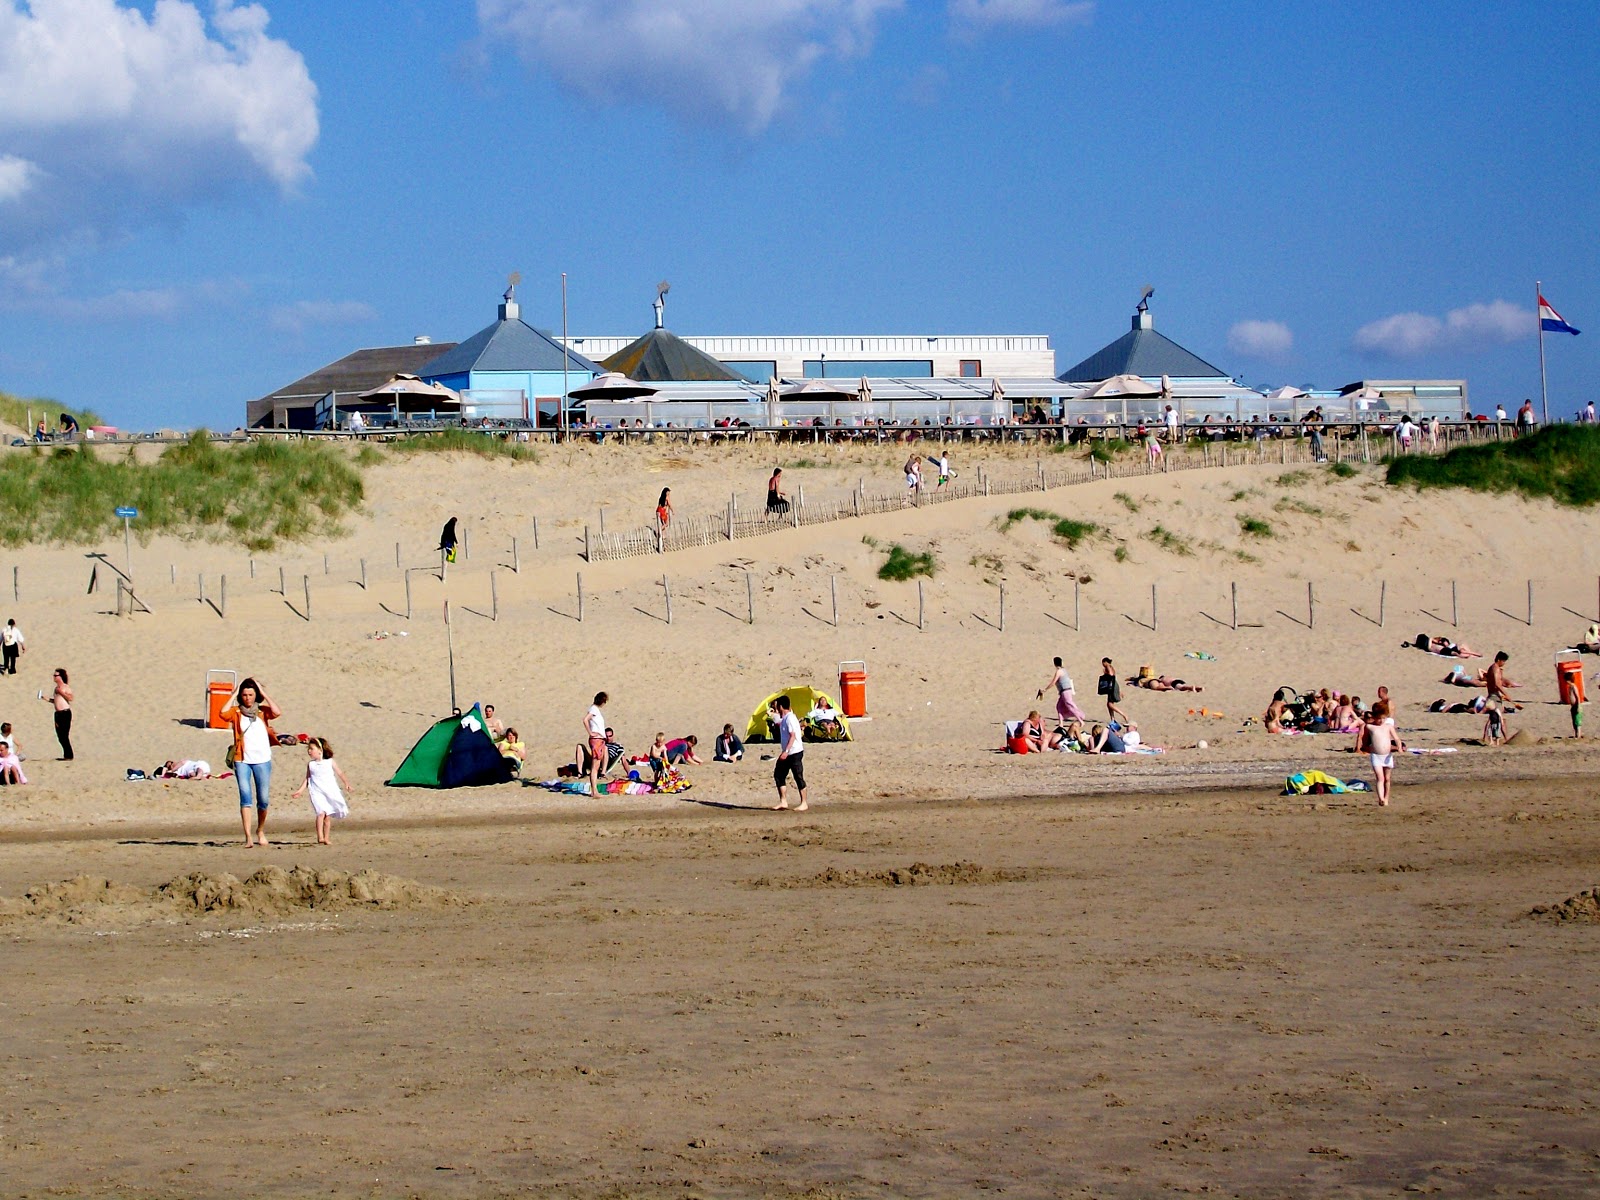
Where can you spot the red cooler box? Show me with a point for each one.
(853, 688)
(219, 687)
(1569, 676)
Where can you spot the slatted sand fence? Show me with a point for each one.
(736, 522)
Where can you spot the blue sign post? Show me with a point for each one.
(127, 512)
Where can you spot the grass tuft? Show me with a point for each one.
(1255, 527)
(1169, 541)
(1104, 449)
(1294, 478)
(902, 564)
(1066, 529)
(1560, 462)
(1341, 470)
(1295, 504)
(1127, 501)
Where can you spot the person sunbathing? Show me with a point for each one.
(1068, 738)
(189, 768)
(1105, 740)
(1160, 683)
(1591, 640)
(1461, 677)
(1445, 648)
(1346, 715)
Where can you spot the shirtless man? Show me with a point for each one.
(1382, 742)
(1494, 678)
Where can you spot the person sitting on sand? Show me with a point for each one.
(727, 748)
(1591, 639)
(1032, 732)
(10, 760)
(1272, 719)
(1346, 716)
(1105, 740)
(614, 753)
(512, 749)
(495, 726)
(681, 750)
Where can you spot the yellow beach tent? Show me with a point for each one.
(802, 700)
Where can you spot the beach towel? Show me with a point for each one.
(1318, 782)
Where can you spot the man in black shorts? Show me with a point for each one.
(791, 756)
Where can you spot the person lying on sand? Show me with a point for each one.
(1068, 738)
(1445, 648)
(1160, 683)
(1461, 677)
(189, 768)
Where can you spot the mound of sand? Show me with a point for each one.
(1583, 907)
(916, 875)
(269, 891)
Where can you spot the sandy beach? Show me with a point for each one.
(961, 971)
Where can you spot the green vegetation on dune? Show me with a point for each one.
(1561, 462)
(257, 494)
(17, 410)
(1067, 529)
(464, 441)
(902, 564)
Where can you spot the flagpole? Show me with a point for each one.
(1538, 315)
(566, 350)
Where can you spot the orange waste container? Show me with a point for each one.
(853, 688)
(219, 687)
(1569, 677)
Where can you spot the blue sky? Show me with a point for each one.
(200, 202)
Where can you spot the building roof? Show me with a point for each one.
(1145, 353)
(662, 355)
(353, 373)
(510, 344)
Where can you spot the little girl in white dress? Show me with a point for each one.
(323, 778)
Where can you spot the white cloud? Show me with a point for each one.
(1271, 340)
(126, 117)
(729, 62)
(978, 14)
(1414, 334)
(304, 314)
(17, 175)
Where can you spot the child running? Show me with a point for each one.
(323, 780)
(1382, 741)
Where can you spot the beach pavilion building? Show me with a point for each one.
(315, 400)
(509, 370)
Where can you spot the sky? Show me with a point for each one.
(203, 200)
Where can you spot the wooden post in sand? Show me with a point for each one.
(1041, 474)
(833, 588)
(536, 533)
(1077, 606)
(1234, 588)
(666, 586)
(749, 598)
(466, 543)
(1152, 608)
(408, 595)
(222, 600)
(305, 581)
(1002, 608)
(494, 596)
(325, 567)
(580, 597)
(283, 588)
(1530, 604)
(516, 560)
(1383, 596)
(16, 583)
(1454, 624)
(586, 557)
(363, 574)
(252, 568)
(397, 556)
(1311, 606)
(919, 604)
(200, 584)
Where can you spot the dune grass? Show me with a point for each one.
(1106, 449)
(1067, 529)
(1255, 527)
(464, 441)
(15, 410)
(902, 564)
(1168, 541)
(257, 495)
(1561, 462)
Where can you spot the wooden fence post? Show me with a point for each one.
(1383, 596)
(408, 595)
(1234, 588)
(919, 604)
(833, 587)
(516, 560)
(666, 586)
(1311, 605)
(306, 581)
(1454, 623)
(325, 568)
(587, 556)
(1002, 608)
(222, 606)
(536, 533)
(494, 596)
(252, 567)
(363, 574)
(283, 588)
(580, 596)
(750, 597)
(1077, 606)
(397, 555)
(1152, 608)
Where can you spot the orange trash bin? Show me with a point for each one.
(219, 688)
(1569, 677)
(853, 688)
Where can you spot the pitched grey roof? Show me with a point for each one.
(1145, 353)
(662, 355)
(510, 344)
(353, 373)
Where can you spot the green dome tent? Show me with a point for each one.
(456, 752)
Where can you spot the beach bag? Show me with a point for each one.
(1108, 684)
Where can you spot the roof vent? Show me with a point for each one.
(509, 309)
(422, 339)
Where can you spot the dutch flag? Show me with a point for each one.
(1550, 320)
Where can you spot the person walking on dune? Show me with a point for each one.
(1066, 704)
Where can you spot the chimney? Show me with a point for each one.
(422, 339)
(1144, 319)
(510, 310)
